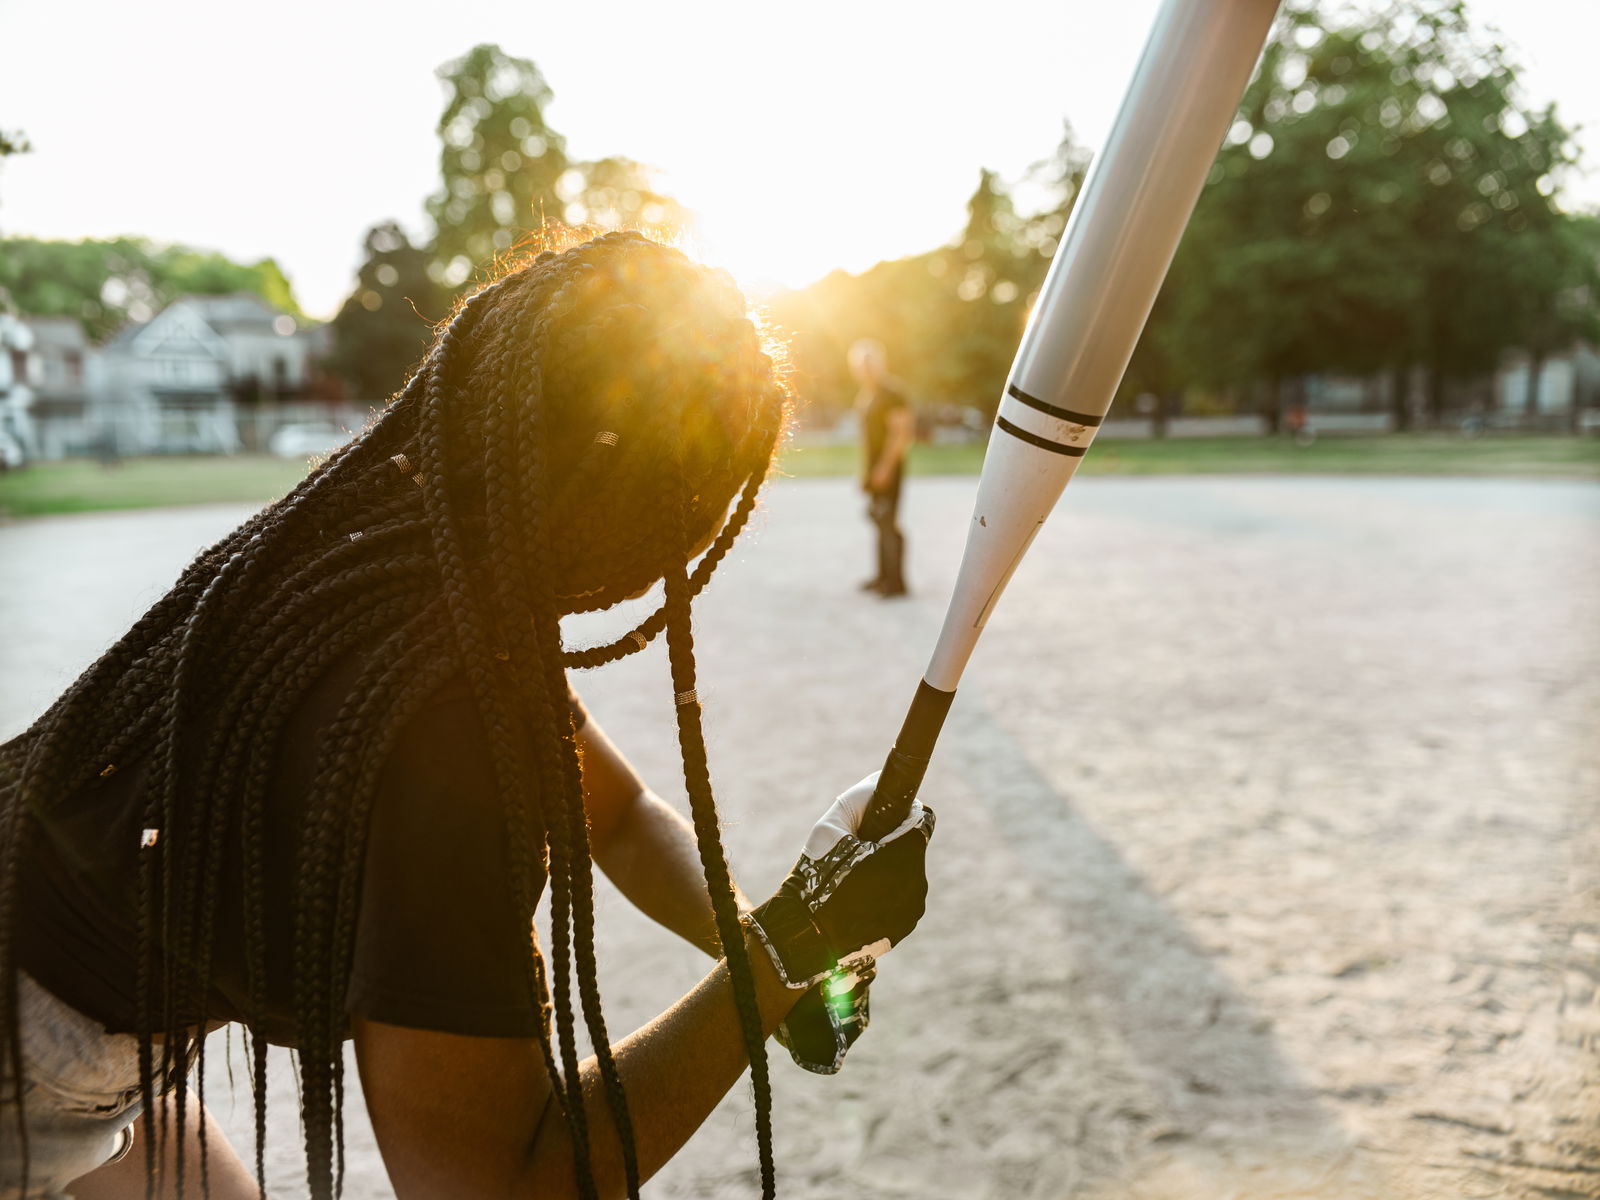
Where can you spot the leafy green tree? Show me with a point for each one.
(181, 271)
(1369, 209)
(385, 325)
(1384, 202)
(13, 142)
(506, 175)
(990, 272)
(499, 160)
(1559, 271)
(949, 318)
(1058, 180)
(618, 193)
(899, 303)
(106, 282)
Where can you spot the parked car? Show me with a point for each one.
(308, 439)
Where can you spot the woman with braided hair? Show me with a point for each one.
(321, 786)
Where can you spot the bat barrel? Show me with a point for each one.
(907, 762)
(1114, 253)
(1099, 291)
(1128, 220)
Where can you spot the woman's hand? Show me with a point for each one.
(846, 902)
(843, 906)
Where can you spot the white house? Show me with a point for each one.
(175, 383)
(63, 371)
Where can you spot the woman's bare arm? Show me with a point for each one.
(467, 1117)
(644, 845)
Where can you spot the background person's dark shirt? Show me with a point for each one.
(886, 398)
(436, 947)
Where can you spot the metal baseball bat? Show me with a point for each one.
(1113, 256)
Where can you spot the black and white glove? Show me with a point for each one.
(845, 904)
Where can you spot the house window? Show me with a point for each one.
(74, 365)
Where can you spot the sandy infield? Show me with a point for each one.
(1268, 860)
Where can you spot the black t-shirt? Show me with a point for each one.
(886, 398)
(436, 945)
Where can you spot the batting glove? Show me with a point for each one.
(845, 904)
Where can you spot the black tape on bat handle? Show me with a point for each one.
(907, 762)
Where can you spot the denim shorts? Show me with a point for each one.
(80, 1097)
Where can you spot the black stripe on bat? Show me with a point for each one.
(1033, 439)
(1065, 414)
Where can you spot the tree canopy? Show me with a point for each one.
(950, 318)
(106, 282)
(1384, 200)
(499, 161)
(505, 174)
(13, 142)
(385, 325)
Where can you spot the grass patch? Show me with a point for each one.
(1512, 455)
(82, 486)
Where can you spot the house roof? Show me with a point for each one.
(57, 332)
(124, 337)
(239, 312)
(236, 312)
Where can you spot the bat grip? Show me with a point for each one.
(907, 762)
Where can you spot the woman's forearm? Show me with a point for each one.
(650, 854)
(674, 1070)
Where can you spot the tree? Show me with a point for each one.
(506, 175)
(1560, 273)
(106, 283)
(618, 193)
(1383, 202)
(499, 160)
(385, 325)
(13, 142)
(1367, 210)
(183, 270)
(989, 274)
(1059, 181)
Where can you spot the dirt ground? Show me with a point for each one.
(1268, 860)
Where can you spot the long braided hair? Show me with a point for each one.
(579, 427)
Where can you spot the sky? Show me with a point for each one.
(806, 136)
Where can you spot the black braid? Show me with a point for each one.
(477, 652)
(713, 859)
(507, 540)
(645, 632)
(522, 514)
(559, 744)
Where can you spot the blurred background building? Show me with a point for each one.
(205, 375)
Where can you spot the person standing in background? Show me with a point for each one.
(886, 430)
